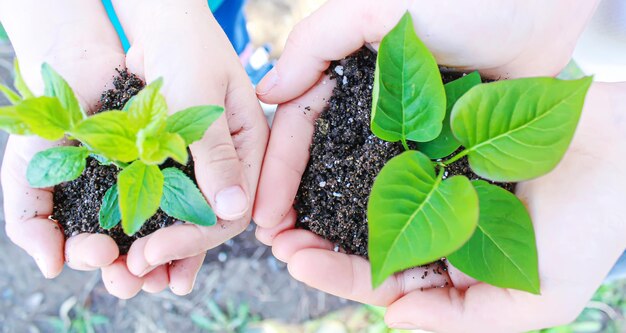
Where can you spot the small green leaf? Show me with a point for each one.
(155, 150)
(519, 129)
(11, 122)
(192, 122)
(416, 218)
(57, 87)
(182, 199)
(44, 116)
(446, 144)
(148, 109)
(140, 189)
(409, 101)
(56, 165)
(11, 95)
(502, 251)
(110, 215)
(109, 134)
(19, 83)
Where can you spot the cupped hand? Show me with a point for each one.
(576, 209)
(182, 42)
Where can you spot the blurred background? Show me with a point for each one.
(241, 287)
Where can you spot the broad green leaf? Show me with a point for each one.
(109, 134)
(502, 251)
(56, 165)
(409, 101)
(57, 87)
(140, 189)
(446, 144)
(518, 129)
(11, 95)
(19, 83)
(182, 199)
(3, 34)
(192, 122)
(45, 117)
(110, 215)
(416, 218)
(11, 122)
(148, 109)
(155, 150)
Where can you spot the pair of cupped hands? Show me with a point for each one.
(577, 210)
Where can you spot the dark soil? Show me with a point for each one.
(77, 203)
(346, 157)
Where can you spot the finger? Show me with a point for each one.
(348, 276)
(119, 282)
(288, 154)
(87, 252)
(183, 274)
(291, 241)
(135, 259)
(157, 280)
(267, 235)
(313, 43)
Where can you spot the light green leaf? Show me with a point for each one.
(155, 150)
(140, 189)
(11, 95)
(446, 144)
(182, 199)
(148, 109)
(109, 134)
(11, 122)
(109, 214)
(56, 165)
(19, 83)
(192, 122)
(416, 218)
(409, 101)
(57, 87)
(44, 116)
(519, 129)
(502, 251)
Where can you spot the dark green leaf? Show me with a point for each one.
(148, 109)
(109, 134)
(19, 83)
(191, 123)
(502, 251)
(110, 215)
(446, 144)
(11, 95)
(11, 122)
(140, 189)
(155, 150)
(56, 165)
(416, 218)
(44, 116)
(518, 129)
(57, 87)
(409, 101)
(182, 199)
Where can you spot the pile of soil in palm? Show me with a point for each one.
(77, 203)
(346, 157)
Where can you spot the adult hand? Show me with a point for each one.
(578, 216)
(76, 39)
(181, 42)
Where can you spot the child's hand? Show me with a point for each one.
(501, 39)
(578, 216)
(183, 43)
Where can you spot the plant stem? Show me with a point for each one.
(406, 145)
(456, 157)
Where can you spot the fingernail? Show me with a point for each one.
(402, 326)
(268, 83)
(146, 271)
(231, 203)
(43, 267)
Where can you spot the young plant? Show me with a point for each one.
(137, 140)
(511, 131)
